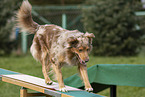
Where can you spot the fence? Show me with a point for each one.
(68, 17)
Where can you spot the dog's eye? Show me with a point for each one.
(87, 49)
(80, 50)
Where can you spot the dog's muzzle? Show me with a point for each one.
(81, 61)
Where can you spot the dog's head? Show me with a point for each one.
(81, 46)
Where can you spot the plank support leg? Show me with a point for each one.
(23, 92)
(37, 94)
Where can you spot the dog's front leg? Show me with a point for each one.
(58, 72)
(84, 75)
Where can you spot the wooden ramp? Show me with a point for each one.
(38, 84)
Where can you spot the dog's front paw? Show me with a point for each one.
(89, 89)
(49, 82)
(63, 89)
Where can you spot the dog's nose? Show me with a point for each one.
(86, 60)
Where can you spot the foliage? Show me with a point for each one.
(47, 2)
(113, 23)
(7, 9)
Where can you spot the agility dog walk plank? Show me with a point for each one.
(38, 84)
(36, 81)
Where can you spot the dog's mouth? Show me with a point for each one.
(80, 60)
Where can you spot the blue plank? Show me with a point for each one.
(7, 72)
(81, 94)
(52, 93)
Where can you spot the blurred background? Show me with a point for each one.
(118, 26)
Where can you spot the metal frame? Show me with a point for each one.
(113, 92)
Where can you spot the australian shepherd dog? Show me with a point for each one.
(54, 46)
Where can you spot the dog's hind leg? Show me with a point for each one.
(57, 70)
(45, 60)
(45, 69)
(84, 75)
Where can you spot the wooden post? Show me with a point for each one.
(23, 92)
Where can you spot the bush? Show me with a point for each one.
(48, 2)
(113, 23)
(8, 10)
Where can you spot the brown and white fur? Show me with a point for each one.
(56, 47)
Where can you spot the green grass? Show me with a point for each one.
(27, 65)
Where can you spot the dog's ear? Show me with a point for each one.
(89, 35)
(72, 41)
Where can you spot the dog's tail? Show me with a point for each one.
(24, 18)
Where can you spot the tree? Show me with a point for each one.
(113, 23)
(8, 10)
(58, 2)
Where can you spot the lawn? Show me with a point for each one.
(27, 65)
